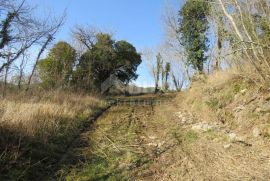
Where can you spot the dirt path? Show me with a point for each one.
(148, 140)
(121, 144)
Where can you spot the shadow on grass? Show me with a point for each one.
(26, 158)
(31, 158)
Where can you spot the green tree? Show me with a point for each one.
(129, 59)
(5, 29)
(56, 70)
(193, 27)
(105, 58)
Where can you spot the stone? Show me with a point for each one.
(197, 127)
(256, 132)
(239, 108)
(160, 144)
(267, 98)
(266, 107)
(202, 127)
(232, 136)
(152, 137)
(243, 91)
(227, 146)
(241, 138)
(258, 110)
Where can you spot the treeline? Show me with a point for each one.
(103, 57)
(93, 57)
(201, 37)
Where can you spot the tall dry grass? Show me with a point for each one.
(35, 130)
(42, 115)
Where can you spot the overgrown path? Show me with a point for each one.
(122, 144)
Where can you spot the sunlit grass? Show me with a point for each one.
(36, 130)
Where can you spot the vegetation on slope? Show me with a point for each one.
(229, 99)
(227, 119)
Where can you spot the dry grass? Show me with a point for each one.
(39, 126)
(215, 98)
(232, 103)
(42, 115)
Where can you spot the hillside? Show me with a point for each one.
(227, 119)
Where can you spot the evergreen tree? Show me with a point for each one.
(193, 28)
(107, 57)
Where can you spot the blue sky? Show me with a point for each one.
(137, 21)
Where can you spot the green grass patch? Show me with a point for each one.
(191, 137)
(214, 103)
(97, 168)
(211, 134)
(106, 160)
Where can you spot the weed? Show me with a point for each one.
(214, 103)
(237, 88)
(191, 137)
(211, 134)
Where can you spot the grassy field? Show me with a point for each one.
(36, 130)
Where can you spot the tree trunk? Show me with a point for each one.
(38, 57)
(156, 88)
(20, 79)
(236, 29)
(5, 79)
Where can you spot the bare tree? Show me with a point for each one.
(178, 83)
(21, 71)
(174, 49)
(149, 55)
(21, 31)
(84, 37)
(49, 39)
(6, 77)
(245, 23)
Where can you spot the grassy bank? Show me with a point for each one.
(35, 131)
(229, 99)
(226, 126)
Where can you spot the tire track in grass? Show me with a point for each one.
(113, 148)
